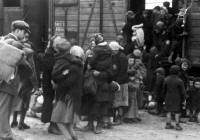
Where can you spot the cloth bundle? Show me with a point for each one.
(10, 56)
(138, 36)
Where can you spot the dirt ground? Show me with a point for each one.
(151, 128)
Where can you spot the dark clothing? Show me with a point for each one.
(194, 98)
(47, 61)
(120, 65)
(102, 62)
(127, 34)
(185, 77)
(158, 87)
(174, 91)
(68, 75)
(148, 33)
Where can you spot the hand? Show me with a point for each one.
(167, 42)
(96, 73)
(170, 59)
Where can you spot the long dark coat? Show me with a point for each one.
(47, 60)
(120, 66)
(68, 75)
(102, 62)
(173, 90)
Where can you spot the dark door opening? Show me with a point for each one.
(136, 5)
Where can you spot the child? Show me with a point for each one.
(173, 89)
(136, 72)
(160, 76)
(194, 100)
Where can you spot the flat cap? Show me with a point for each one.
(20, 24)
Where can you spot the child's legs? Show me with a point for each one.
(67, 128)
(15, 113)
(177, 118)
(169, 117)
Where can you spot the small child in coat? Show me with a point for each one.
(194, 98)
(174, 90)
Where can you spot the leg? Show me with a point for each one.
(169, 119)
(177, 118)
(71, 131)
(63, 129)
(14, 122)
(5, 112)
(25, 106)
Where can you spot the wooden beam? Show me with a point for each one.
(101, 17)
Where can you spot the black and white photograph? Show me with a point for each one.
(99, 69)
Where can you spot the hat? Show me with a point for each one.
(137, 53)
(20, 24)
(160, 70)
(77, 51)
(184, 60)
(98, 38)
(174, 69)
(130, 14)
(114, 46)
(61, 44)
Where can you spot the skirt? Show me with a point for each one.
(63, 112)
(121, 97)
(132, 111)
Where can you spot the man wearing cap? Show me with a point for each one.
(9, 90)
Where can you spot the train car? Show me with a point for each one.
(35, 12)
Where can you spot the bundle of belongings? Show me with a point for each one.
(138, 36)
(10, 56)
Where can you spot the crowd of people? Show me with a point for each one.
(104, 84)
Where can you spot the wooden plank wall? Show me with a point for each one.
(85, 10)
(194, 34)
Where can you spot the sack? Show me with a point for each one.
(10, 56)
(89, 85)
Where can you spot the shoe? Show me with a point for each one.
(169, 126)
(14, 124)
(107, 126)
(75, 138)
(53, 129)
(139, 119)
(178, 127)
(87, 128)
(98, 130)
(23, 126)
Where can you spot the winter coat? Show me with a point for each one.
(13, 85)
(120, 66)
(173, 90)
(102, 62)
(158, 87)
(68, 75)
(194, 98)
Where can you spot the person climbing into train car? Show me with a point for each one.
(174, 90)
(9, 88)
(120, 65)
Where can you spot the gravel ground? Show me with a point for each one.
(151, 128)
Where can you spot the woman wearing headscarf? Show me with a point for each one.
(67, 76)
